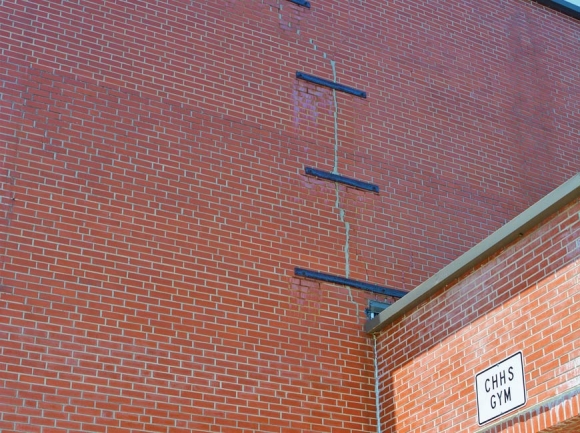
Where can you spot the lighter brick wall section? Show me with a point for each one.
(524, 299)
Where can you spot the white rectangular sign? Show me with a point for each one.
(500, 388)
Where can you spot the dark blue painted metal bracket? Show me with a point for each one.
(331, 84)
(341, 179)
(375, 288)
(301, 3)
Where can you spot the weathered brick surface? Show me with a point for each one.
(524, 299)
(154, 203)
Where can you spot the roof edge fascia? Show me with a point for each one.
(563, 6)
(525, 221)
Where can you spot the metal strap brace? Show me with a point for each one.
(341, 179)
(331, 84)
(375, 288)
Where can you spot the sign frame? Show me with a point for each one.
(488, 383)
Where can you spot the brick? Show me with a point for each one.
(533, 319)
(155, 152)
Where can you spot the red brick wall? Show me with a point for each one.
(154, 202)
(524, 299)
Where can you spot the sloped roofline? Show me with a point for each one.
(525, 221)
(566, 7)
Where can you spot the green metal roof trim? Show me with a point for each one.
(534, 215)
(567, 7)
